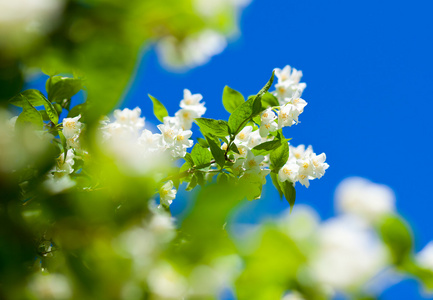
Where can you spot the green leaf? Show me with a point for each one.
(279, 156)
(60, 88)
(35, 98)
(232, 99)
(189, 160)
(240, 117)
(201, 156)
(269, 100)
(159, 109)
(276, 183)
(423, 274)
(217, 152)
(245, 112)
(200, 178)
(266, 147)
(234, 148)
(29, 115)
(223, 178)
(397, 236)
(289, 192)
(202, 142)
(193, 183)
(76, 110)
(218, 128)
(63, 143)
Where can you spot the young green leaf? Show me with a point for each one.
(276, 183)
(60, 88)
(289, 192)
(159, 109)
(77, 110)
(215, 127)
(201, 156)
(217, 152)
(269, 100)
(35, 98)
(188, 158)
(232, 99)
(240, 117)
(279, 156)
(397, 236)
(266, 147)
(202, 142)
(29, 115)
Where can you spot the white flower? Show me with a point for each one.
(166, 282)
(267, 123)
(243, 136)
(186, 116)
(255, 139)
(305, 166)
(299, 103)
(71, 127)
(300, 152)
(363, 198)
(289, 172)
(265, 128)
(243, 151)
(425, 257)
(252, 162)
(348, 254)
(149, 140)
(293, 296)
(50, 286)
(65, 165)
(55, 184)
(192, 101)
(167, 193)
(129, 118)
(267, 116)
(182, 139)
(287, 74)
(192, 51)
(287, 116)
(319, 165)
(169, 133)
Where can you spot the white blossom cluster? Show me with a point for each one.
(303, 165)
(345, 253)
(174, 132)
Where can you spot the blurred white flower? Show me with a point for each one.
(50, 287)
(193, 51)
(167, 193)
(165, 282)
(425, 256)
(23, 21)
(363, 198)
(348, 254)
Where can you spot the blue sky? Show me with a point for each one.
(368, 68)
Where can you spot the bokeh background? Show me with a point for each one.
(368, 68)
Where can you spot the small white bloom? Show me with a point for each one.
(243, 136)
(166, 282)
(267, 116)
(192, 101)
(363, 198)
(71, 127)
(305, 167)
(255, 139)
(266, 128)
(65, 165)
(169, 133)
(252, 162)
(425, 256)
(300, 152)
(289, 172)
(167, 193)
(186, 116)
(287, 116)
(319, 165)
(299, 103)
(50, 287)
(243, 151)
(129, 118)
